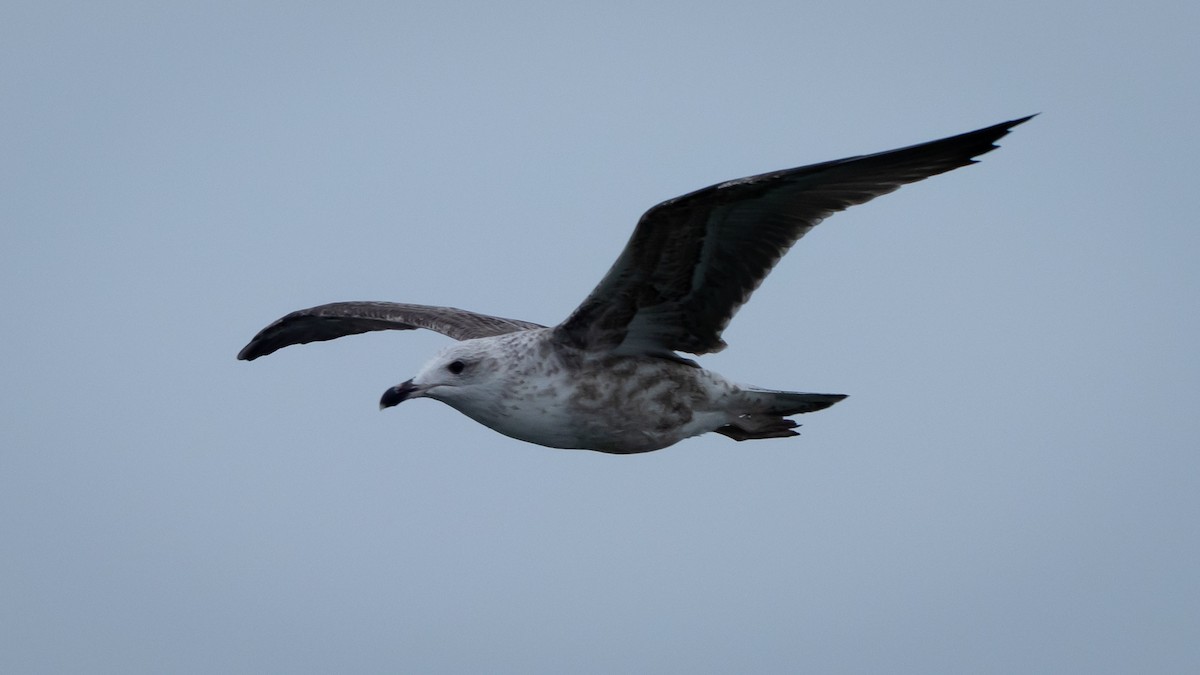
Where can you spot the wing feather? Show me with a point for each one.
(338, 319)
(694, 260)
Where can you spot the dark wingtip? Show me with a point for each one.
(1001, 130)
(258, 346)
(269, 340)
(992, 135)
(1005, 127)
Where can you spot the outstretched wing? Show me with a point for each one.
(338, 319)
(694, 260)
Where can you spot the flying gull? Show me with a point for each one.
(610, 377)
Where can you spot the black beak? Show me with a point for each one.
(397, 394)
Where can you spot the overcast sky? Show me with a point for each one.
(1010, 488)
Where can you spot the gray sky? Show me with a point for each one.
(1011, 486)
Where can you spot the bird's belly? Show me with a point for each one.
(612, 404)
(624, 422)
(541, 424)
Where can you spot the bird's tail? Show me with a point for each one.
(767, 412)
(784, 403)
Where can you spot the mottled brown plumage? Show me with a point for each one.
(610, 378)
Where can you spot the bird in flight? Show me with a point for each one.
(610, 377)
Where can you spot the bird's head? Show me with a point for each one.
(460, 374)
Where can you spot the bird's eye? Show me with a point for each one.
(456, 367)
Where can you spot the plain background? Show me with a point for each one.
(1010, 488)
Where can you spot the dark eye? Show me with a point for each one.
(456, 367)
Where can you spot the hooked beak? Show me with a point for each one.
(399, 394)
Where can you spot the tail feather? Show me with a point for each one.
(786, 403)
(768, 410)
(750, 427)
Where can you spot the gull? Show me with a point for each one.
(610, 377)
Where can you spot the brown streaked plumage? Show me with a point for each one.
(609, 377)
